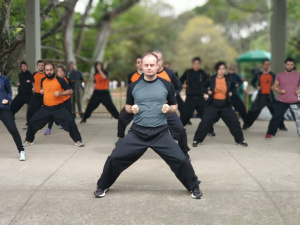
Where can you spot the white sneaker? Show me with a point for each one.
(22, 156)
(26, 143)
(79, 144)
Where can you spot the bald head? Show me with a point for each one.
(150, 65)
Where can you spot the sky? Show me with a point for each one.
(179, 6)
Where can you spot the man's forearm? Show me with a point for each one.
(128, 109)
(173, 108)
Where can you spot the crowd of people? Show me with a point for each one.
(153, 97)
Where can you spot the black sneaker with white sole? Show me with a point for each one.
(196, 143)
(211, 133)
(100, 193)
(196, 193)
(243, 143)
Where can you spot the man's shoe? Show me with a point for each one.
(47, 132)
(243, 143)
(79, 144)
(245, 126)
(268, 136)
(60, 127)
(22, 156)
(100, 193)
(189, 123)
(212, 133)
(196, 143)
(27, 143)
(187, 156)
(196, 193)
(83, 121)
(25, 127)
(283, 128)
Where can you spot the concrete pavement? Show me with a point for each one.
(259, 184)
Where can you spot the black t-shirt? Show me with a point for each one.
(26, 80)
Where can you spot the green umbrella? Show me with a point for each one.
(254, 56)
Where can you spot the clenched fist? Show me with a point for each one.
(165, 108)
(135, 109)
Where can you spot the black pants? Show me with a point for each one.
(8, 120)
(175, 126)
(258, 105)
(60, 115)
(103, 97)
(19, 101)
(239, 106)
(76, 99)
(180, 103)
(68, 105)
(277, 117)
(135, 144)
(124, 119)
(35, 104)
(211, 114)
(191, 104)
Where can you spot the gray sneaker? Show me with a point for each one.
(25, 127)
(79, 144)
(22, 156)
(26, 143)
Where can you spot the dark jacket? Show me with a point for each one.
(256, 82)
(25, 87)
(196, 82)
(212, 84)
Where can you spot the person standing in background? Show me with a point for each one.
(101, 94)
(76, 79)
(25, 88)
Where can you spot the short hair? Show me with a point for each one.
(40, 61)
(155, 52)
(23, 63)
(138, 57)
(48, 63)
(197, 58)
(265, 60)
(71, 62)
(290, 59)
(150, 53)
(62, 67)
(218, 64)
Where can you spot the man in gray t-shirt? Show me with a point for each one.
(146, 99)
(76, 78)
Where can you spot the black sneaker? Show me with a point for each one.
(283, 128)
(189, 123)
(196, 143)
(212, 133)
(196, 193)
(99, 193)
(188, 156)
(245, 126)
(243, 143)
(83, 121)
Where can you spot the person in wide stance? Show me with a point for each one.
(149, 130)
(54, 90)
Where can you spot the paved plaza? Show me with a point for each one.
(259, 184)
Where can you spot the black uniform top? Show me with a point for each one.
(196, 82)
(236, 79)
(26, 80)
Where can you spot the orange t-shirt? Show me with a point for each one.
(135, 77)
(67, 96)
(220, 89)
(49, 88)
(101, 84)
(265, 81)
(164, 75)
(37, 80)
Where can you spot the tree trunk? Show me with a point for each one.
(81, 29)
(278, 35)
(68, 27)
(4, 26)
